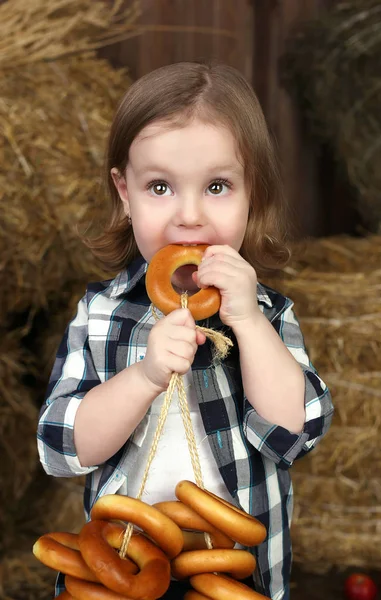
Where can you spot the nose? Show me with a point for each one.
(190, 212)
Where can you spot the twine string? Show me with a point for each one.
(221, 345)
(160, 425)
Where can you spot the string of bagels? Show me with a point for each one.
(191, 538)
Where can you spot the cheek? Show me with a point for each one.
(148, 235)
(232, 225)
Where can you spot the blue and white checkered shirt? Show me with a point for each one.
(109, 333)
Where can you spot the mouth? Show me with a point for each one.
(191, 244)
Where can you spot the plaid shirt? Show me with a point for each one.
(109, 333)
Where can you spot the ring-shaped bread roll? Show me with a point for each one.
(70, 540)
(64, 596)
(195, 540)
(153, 578)
(193, 595)
(84, 590)
(188, 519)
(164, 263)
(237, 524)
(155, 524)
(60, 551)
(238, 563)
(219, 587)
(52, 551)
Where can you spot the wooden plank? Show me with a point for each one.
(246, 47)
(217, 34)
(299, 164)
(190, 51)
(203, 42)
(225, 18)
(301, 168)
(264, 40)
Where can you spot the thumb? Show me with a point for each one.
(182, 316)
(195, 278)
(200, 337)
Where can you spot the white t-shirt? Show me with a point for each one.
(172, 461)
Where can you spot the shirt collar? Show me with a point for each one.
(263, 296)
(127, 279)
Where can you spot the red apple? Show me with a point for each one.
(359, 586)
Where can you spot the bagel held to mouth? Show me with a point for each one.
(153, 578)
(155, 524)
(164, 263)
(237, 524)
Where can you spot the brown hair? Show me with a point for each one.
(210, 92)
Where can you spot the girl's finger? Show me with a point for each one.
(182, 349)
(177, 364)
(183, 333)
(200, 337)
(220, 249)
(217, 273)
(181, 316)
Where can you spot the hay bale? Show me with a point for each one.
(341, 517)
(54, 120)
(39, 31)
(336, 285)
(341, 319)
(49, 505)
(18, 418)
(340, 254)
(23, 577)
(332, 66)
(55, 112)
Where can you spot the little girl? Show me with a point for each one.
(190, 161)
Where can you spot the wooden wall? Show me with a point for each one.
(321, 200)
(176, 30)
(249, 35)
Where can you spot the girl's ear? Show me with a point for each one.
(121, 186)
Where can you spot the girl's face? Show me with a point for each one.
(184, 185)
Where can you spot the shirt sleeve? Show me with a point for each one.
(274, 441)
(73, 375)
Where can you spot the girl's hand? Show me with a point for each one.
(236, 280)
(172, 345)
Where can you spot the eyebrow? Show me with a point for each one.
(214, 169)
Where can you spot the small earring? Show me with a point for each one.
(129, 219)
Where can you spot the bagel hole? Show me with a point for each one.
(182, 280)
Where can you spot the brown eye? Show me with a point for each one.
(159, 189)
(215, 188)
